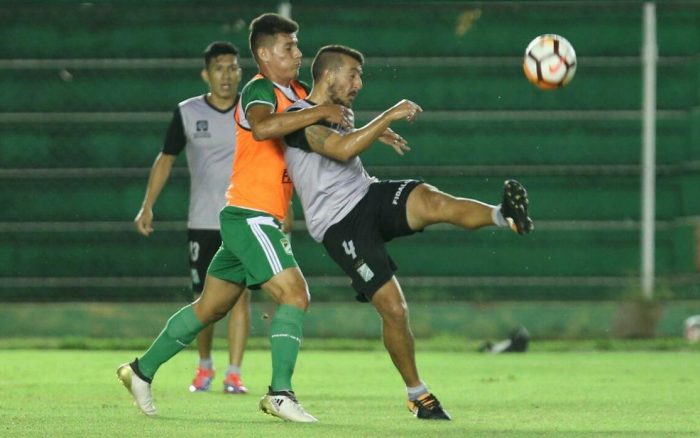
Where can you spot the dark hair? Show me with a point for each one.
(218, 48)
(268, 25)
(328, 57)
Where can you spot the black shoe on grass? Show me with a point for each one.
(428, 407)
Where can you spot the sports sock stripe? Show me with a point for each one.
(286, 335)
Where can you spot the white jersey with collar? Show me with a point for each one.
(208, 137)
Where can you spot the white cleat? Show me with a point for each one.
(284, 405)
(139, 389)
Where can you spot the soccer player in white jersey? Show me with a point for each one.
(354, 214)
(204, 127)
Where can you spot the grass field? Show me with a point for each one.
(358, 393)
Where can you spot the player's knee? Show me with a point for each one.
(208, 312)
(396, 313)
(297, 295)
(289, 287)
(292, 291)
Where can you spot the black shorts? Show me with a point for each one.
(203, 245)
(357, 242)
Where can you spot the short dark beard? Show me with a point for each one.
(334, 98)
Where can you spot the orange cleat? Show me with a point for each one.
(202, 379)
(234, 385)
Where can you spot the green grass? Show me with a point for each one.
(442, 343)
(358, 393)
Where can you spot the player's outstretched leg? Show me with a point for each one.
(514, 206)
(428, 407)
(140, 388)
(180, 330)
(427, 205)
(284, 405)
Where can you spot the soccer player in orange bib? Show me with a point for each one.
(254, 253)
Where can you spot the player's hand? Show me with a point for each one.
(398, 143)
(339, 115)
(405, 109)
(143, 221)
(288, 223)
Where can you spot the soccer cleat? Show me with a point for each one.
(428, 407)
(284, 405)
(234, 385)
(514, 206)
(202, 379)
(139, 388)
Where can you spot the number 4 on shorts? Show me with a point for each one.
(349, 248)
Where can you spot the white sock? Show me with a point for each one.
(206, 364)
(414, 392)
(497, 217)
(233, 369)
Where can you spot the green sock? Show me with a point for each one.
(179, 331)
(285, 340)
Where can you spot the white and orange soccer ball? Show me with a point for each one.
(550, 62)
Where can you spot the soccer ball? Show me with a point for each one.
(550, 62)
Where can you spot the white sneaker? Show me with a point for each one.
(284, 405)
(139, 389)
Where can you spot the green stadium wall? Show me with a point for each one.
(88, 90)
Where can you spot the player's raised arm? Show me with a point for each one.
(332, 144)
(266, 124)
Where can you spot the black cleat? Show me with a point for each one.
(428, 407)
(514, 206)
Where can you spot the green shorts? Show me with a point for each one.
(253, 248)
